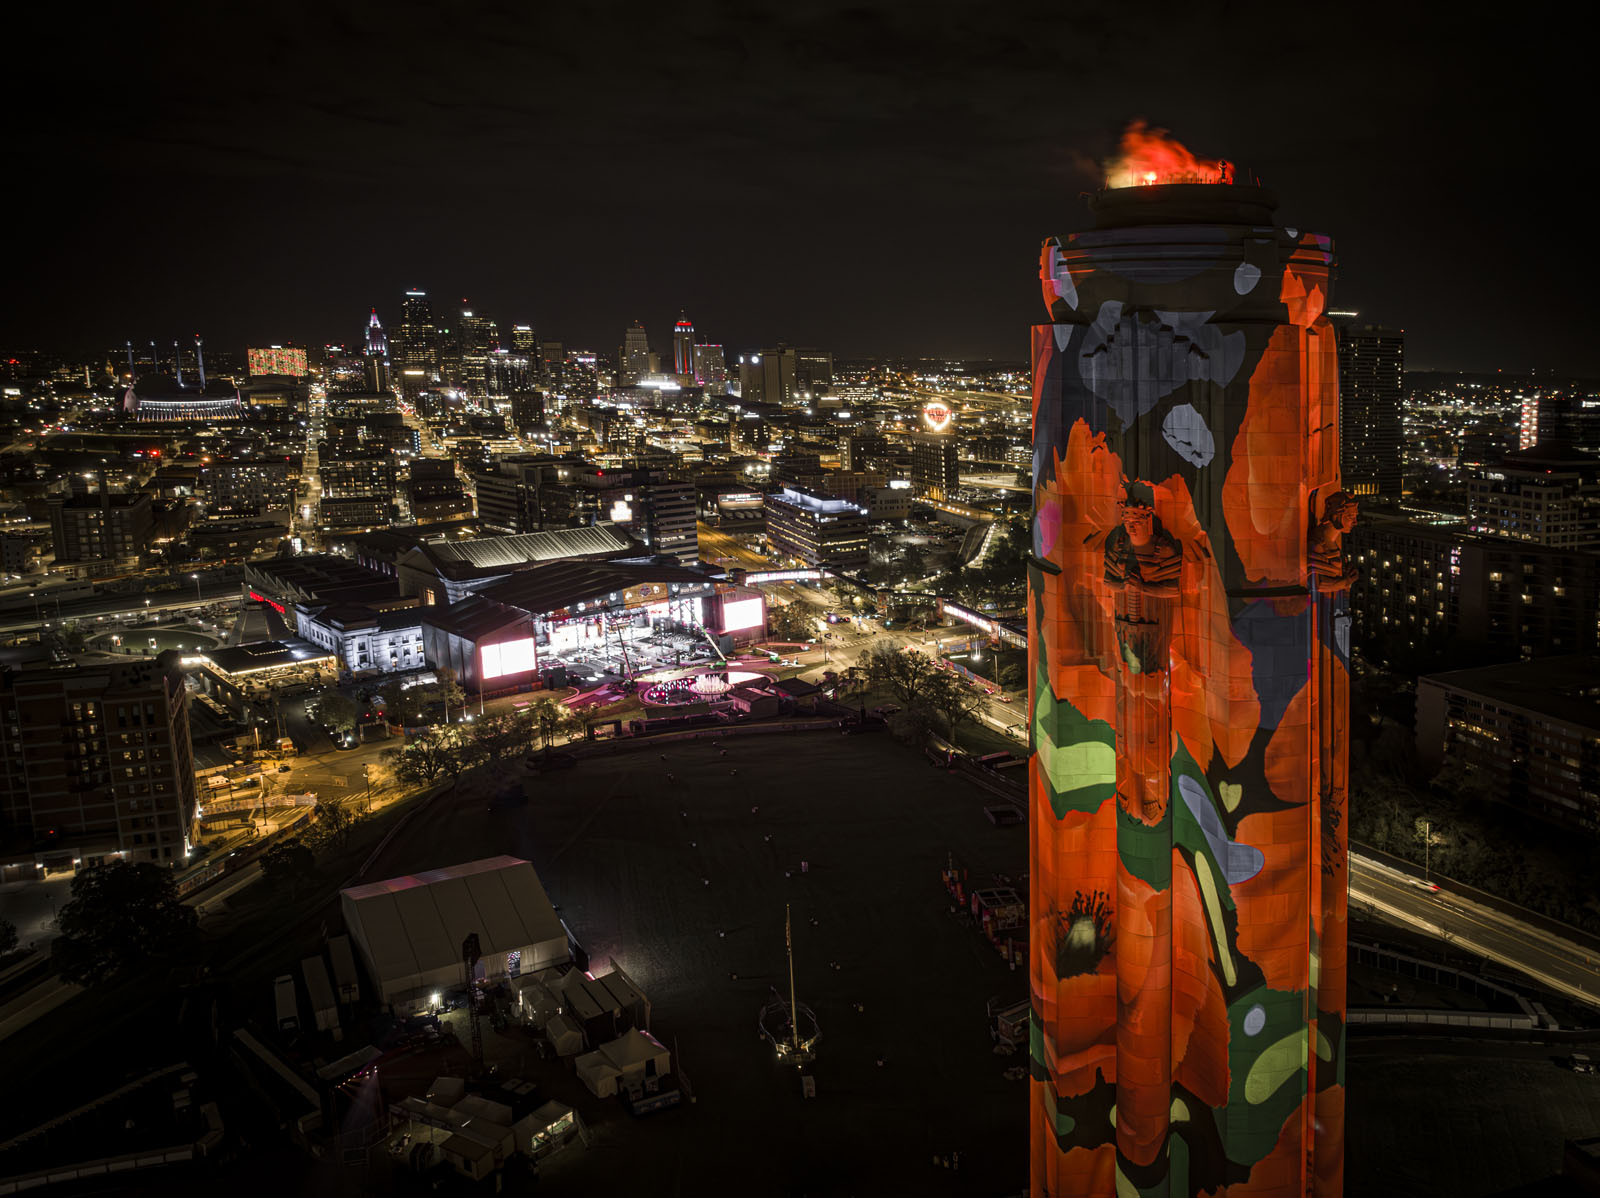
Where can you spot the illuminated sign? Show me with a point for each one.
(278, 607)
(743, 613)
(937, 415)
(643, 594)
(277, 359)
(509, 657)
(621, 513)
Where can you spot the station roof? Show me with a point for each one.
(325, 577)
(486, 556)
(555, 585)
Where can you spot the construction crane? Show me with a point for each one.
(470, 953)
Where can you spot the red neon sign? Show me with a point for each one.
(263, 599)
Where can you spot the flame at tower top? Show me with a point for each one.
(1151, 156)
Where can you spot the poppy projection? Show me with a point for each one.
(1189, 643)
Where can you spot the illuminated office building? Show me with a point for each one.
(1372, 363)
(683, 348)
(415, 351)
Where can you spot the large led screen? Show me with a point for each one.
(741, 614)
(278, 359)
(509, 657)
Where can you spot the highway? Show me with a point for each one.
(86, 609)
(1559, 964)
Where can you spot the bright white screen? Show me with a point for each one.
(508, 657)
(742, 613)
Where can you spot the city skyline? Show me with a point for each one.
(909, 164)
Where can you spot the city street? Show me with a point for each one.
(723, 549)
(1559, 964)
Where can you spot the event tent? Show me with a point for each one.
(637, 1055)
(565, 1036)
(410, 930)
(598, 1073)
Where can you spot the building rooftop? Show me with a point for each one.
(324, 577)
(1563, 688)
(351, 616)
(495, 555)
(264, 655)
(473, 618)
(822, 506)
(556, 585)
(388, 544)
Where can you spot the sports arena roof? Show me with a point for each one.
(410, 930)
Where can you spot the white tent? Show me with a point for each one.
(447, 1091)
(410, 930)
(637, 1055)
(565, 1036)
(599, 1074)
(535, 1002)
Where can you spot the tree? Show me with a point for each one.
(497, 737)
(791, 622)
(288, 863)
(948, 694)
(447, 690)
(339, 712)
(333, 824)
(8, 936)
(550, 719)
(584, 719)
(427, 758)
(403, 705)
(121, 916)
(904, 671)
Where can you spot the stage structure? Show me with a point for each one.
(1188, 643)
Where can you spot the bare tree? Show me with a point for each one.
(906, 672)
(956, 702)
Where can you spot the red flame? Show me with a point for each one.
(1151, 156)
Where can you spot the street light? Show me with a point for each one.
(196, 578)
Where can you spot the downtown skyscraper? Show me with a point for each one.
(1188, 652)
(1372, 363)
(415, 347)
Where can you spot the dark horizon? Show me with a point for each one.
(868, 181)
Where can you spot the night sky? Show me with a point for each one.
(873, 180)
